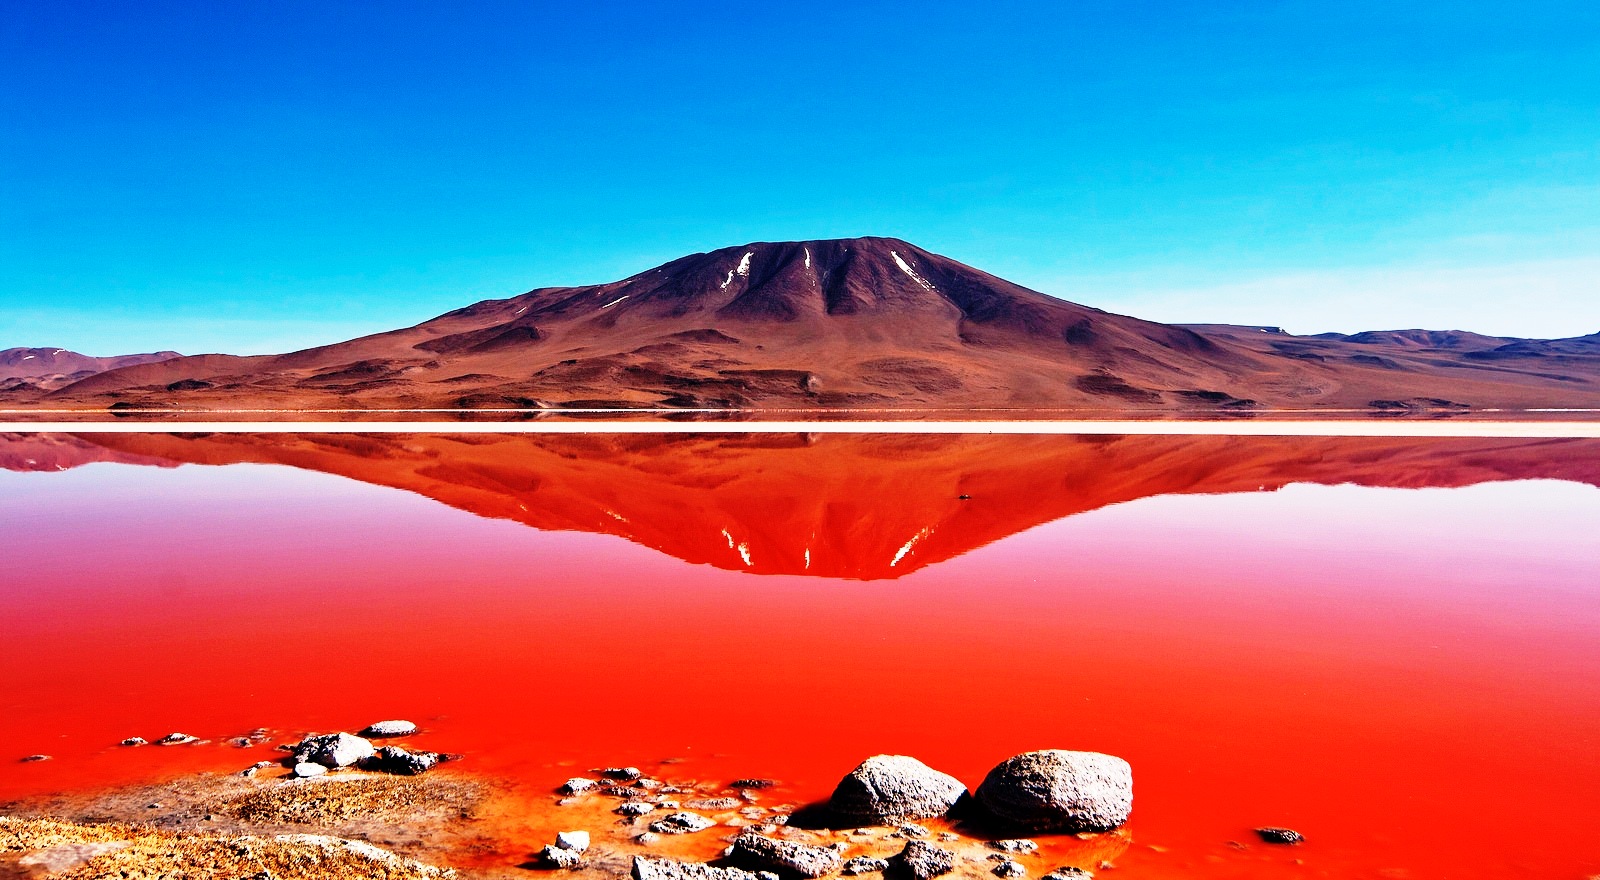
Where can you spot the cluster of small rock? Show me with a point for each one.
(316, 755)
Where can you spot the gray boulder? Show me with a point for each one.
(1022, 845)
(560, 857)
(681, 823)
(1009, 870)
(306, 770)
(1057, 790)
(333, 750)
(886, 789)
(577, 841)
(786, 856)
(921, 860)
(393, 759)
(671, 869)
(577, 785)
(865, 865)
(1069, 872)
(389, 729)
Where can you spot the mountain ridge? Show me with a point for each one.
(862, 323)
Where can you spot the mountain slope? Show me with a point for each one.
(50, 368)
(852, 323)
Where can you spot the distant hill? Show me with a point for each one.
(51, 368)
(860, 323)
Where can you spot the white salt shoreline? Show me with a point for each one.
(1225, 427)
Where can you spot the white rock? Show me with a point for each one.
(577, 841)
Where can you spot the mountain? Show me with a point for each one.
(46, 369)
(852, 323)
(864, 506)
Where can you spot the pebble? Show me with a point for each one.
(1019, 845)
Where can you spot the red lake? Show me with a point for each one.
(1390, 645)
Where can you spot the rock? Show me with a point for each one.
(66, 856)
(1281, 836)
(670, 869)
(621, 791)
(1009, 870)
(681, 823)
(626, 774)
(1022, 845)
(886, 789)
(634, 808)
(34, 759)
(913, 830)
(921, 860)
(1069, 872)
(646, 838)
(786, 856)
(389, 729)
(333, 750)
(393, 759)
(241, 742)
(647, 783)
(306, 770)
(714, 804)
(177, 739)
(1057, 790)
(577, 841)
(949, 836)
(753, 783)
(559, 857)
(864, 865)
(134, 741)
(577, 785)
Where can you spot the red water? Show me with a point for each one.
(1409, 677)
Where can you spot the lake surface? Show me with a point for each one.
(1389, 644)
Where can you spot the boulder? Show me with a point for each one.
(1281, 836)
(1058, 790)
(886, 789)
(333, 750)
(723, 803)
(1009, 870)
(626, 774)
(306, 770)
(177, 739)
(559, 857)
(786, 857)
(921, 860)
(577, 841)
(634, 808)
(681, 823)
(389, 729)
(393, 759)
(671, 869)
(135, 741)
(577, 785)
(1069, 872)
(864, 865)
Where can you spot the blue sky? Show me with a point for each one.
(264, 176)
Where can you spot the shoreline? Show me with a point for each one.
(1307, 428)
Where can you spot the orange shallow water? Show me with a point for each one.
(1409, 677)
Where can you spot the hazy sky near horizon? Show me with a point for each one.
(255, 176)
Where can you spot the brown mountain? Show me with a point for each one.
(854, 323)
(46, 369)
(867, 506)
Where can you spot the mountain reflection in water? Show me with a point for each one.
(861, 506)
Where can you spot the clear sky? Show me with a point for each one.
(263, 176)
